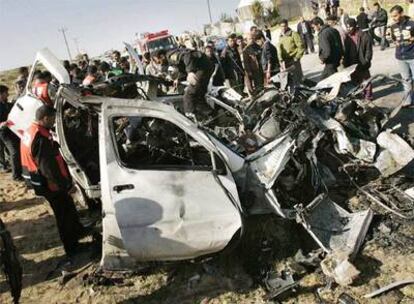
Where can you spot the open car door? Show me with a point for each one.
(23, 112)
(167, 194)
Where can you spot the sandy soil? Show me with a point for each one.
(226, 279)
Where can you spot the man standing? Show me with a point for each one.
(343, 18)
(358, 50)
(252, 56)
(270, 61)
(304, 29)
(9, 140)
(219, 76)
(333, 23)
(330, 47)
(290, 51)
(268, 33)
(380, 21)
(334, 5)
(402, 33)
(232, 64)
(45, 170)
(363, 20)
(196, 68)
(21, 80)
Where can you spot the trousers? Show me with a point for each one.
(12, 143)
(407, 74)
(67, 219)
(330, 69)
(194, 95)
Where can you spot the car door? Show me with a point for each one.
(160, 203)
(23, 112)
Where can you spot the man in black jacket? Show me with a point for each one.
(196, 68)
(270, 61)
(330, 47)
(232, 64)
(358, 50)
(380, 21)
(304, 29)
(362, 20)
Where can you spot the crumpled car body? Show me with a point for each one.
(169, 189)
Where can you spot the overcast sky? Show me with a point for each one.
(29, 25)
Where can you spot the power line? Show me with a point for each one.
(209, 11)
(63, 31)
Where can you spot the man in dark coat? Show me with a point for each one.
(358, 50)
(270, 61)
(380, 21)
(330, 47)
(196, 68)
(362, 20)
(304, 29)
(232, 64)
(252, 57)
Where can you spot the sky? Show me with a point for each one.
(99, 25)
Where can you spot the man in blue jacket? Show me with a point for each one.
(402, 33)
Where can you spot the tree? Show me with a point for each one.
(272, 16)
(226, 18)
(257, 12)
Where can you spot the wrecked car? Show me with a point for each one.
(172, 188)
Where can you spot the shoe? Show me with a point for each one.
(18, 179)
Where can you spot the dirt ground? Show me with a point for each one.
(387, 255)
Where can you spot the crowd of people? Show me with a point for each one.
(246, 63)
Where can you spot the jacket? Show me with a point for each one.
(362, 21)
(330, 45)
(189, 61)
(43, 166)
(252, 59)
(361, 53)
(290, 47)
(308, 29)
(380, 18)
(231, 62)
(269, 58)
(401, 33)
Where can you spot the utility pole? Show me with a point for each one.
(63, 31)
(209, 11)
(76, 41)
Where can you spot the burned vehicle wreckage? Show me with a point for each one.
(173, 188)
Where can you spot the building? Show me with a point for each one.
(288, 9)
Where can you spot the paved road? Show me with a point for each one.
(387, 95)
(383, 62)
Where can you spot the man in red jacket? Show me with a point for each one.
(46, 172)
